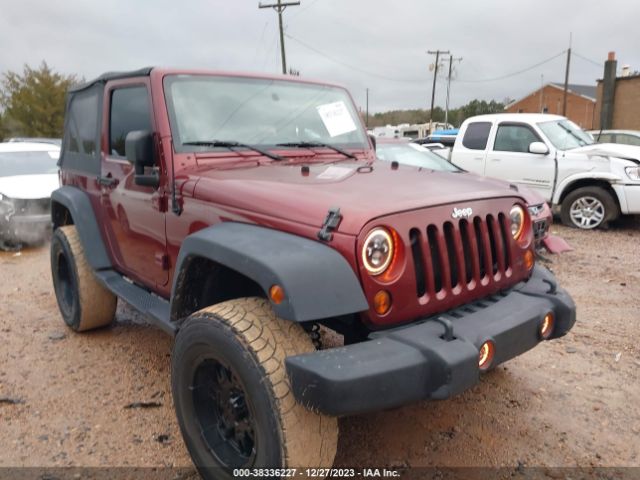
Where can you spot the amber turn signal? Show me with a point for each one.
(276, 294)
(529, 259)
(485, 356)
(546, 328)
(382, 302)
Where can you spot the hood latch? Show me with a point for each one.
(330, 223)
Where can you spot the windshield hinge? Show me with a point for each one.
(330, 223)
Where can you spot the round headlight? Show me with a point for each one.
(377, 251)
(517, 221)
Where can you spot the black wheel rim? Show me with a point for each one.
(65, 284)
(223, 414)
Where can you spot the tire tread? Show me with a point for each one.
(309, 438)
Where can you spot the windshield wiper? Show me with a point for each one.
(231, 145)
(581, 141)
(317, 145)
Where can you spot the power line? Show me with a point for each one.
(582, 57)
(515, 73)
(352, 67)
(303, 9)
(260, 44)
(406, 80)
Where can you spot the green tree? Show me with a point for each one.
(33, 102)
(456, 115)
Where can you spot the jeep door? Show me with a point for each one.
(509, 158)
(135, 223)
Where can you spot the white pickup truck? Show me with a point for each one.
(591, 183)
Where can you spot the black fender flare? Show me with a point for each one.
(79, 206)
(317, 281)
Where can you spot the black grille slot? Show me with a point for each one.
(477, 226)
(451, 252)
(505, 232)
(434, 251)
(467, 252)
(418, 261)
(492, 242)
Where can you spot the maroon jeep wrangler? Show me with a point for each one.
(241, 213)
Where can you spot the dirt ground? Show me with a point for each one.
(571, 402)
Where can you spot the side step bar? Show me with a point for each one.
(155, 308)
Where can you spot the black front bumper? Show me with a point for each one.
(415, 362)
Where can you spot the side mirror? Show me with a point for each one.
(138, 147)
(373, 141)
(539, 148)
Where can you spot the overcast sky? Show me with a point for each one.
(357, 43)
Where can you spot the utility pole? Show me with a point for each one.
(280, 7)
(446, 111)
(366, 122)
(566, 79)
(435, 75)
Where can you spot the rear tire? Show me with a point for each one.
(232, 395)
(588, 208)
(84, 302)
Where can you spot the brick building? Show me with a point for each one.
(581, 103)
(622, 103)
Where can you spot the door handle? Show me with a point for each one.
(496, 160)
(107, 181)
(478, 158)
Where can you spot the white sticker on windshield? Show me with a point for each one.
(336, 118)
(54, 155)
(335, 173)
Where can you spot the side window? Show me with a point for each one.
(514, 138)
(82, 132)
(129, 112)
(476, 136)
(628, 139)
(604, 138)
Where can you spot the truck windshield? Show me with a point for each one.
(413, 155)
(259, 112)
(565, 135)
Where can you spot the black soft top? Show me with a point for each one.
(105, 77)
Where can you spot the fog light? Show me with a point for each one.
(382, 302)
(546, 328)
(529, 259)
(485, 356)
(276, 293)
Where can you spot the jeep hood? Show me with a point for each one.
(363, 192)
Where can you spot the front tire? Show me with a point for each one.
(84, 302)
(232, 395)
(588, 208)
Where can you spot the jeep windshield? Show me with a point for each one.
(565, 135)
(258, 112)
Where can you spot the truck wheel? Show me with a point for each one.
(232, 395)
(84, 302)
(588, 208)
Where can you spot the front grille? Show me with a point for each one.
(540, 228)
(460, 254)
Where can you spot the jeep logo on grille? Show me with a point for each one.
(462, 212)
